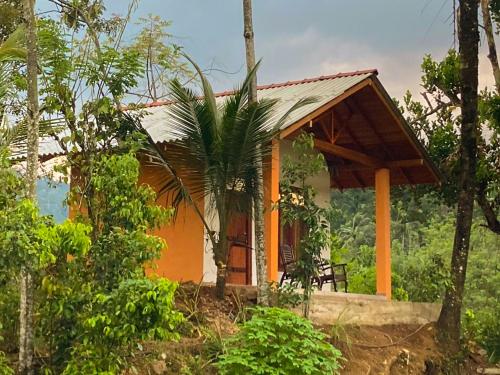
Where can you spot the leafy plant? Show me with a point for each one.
(136, 310)
(283, 296)
(297, 204)
(5, 369)
(276, 341)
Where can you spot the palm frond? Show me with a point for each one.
(208, 93)
(12, 49)
(299, 104)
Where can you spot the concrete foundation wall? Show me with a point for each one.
(330, 308)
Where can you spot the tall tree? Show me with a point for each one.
(468, 36)
(490, 38)
(26, 303)
(260, 252)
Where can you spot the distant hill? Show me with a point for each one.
(51, 197)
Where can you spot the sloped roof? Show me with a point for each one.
(324, 89)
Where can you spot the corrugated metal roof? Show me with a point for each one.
(324, 89)
(48, 147)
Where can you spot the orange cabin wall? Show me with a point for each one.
(182, 259)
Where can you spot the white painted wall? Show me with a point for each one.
(209, 268)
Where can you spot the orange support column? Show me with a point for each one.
(271, 217)
(383, 231)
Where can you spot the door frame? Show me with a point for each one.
(248, 248)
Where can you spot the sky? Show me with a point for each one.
(299, 39)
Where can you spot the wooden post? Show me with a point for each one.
(271, 217)
(383, 231)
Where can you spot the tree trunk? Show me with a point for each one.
(468, 36)
(260, 251)
(492, 51)
(492, 222)
(26, 301)
(249, 47)
(221, 253)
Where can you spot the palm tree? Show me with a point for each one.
(11, 50)
(215, 152)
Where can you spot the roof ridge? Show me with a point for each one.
(159, 103)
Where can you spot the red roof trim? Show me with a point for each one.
(278, 85)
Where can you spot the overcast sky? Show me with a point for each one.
(297, 39)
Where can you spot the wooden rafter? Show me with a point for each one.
(347, 129)
(348, 153)
(388, 164)
(325, 107)
(341, 130)
(369, 122)
(328, 134)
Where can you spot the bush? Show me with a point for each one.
(5, 369)
(276, 341)
(136, 310)
(483, 327)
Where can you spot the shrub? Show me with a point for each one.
(5, 369)
(484, 328)
(276, 341)
(136, 310)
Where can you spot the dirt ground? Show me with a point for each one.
(393, 349)
(370, 350)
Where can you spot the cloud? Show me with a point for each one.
(312, 53)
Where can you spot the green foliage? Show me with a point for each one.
(483, 327)
(5, 369)
(136, 310)
(422, 233)
(297, 204)
(124, 212)
(443, 75)
(277, 341)
(93, 302)
(495, 11)
(160, 56)
(436, 123)
(283, 296)
(97, 302)
(10, 17)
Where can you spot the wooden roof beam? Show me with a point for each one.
(388, 164)
(322, 109)
(379, 137)
(328, 134)
(348, 154)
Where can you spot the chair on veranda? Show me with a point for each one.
(328, 273)
(288, 262)
(332, 274)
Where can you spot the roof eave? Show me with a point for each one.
(407, 129)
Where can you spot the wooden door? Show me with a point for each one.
(240, 250)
